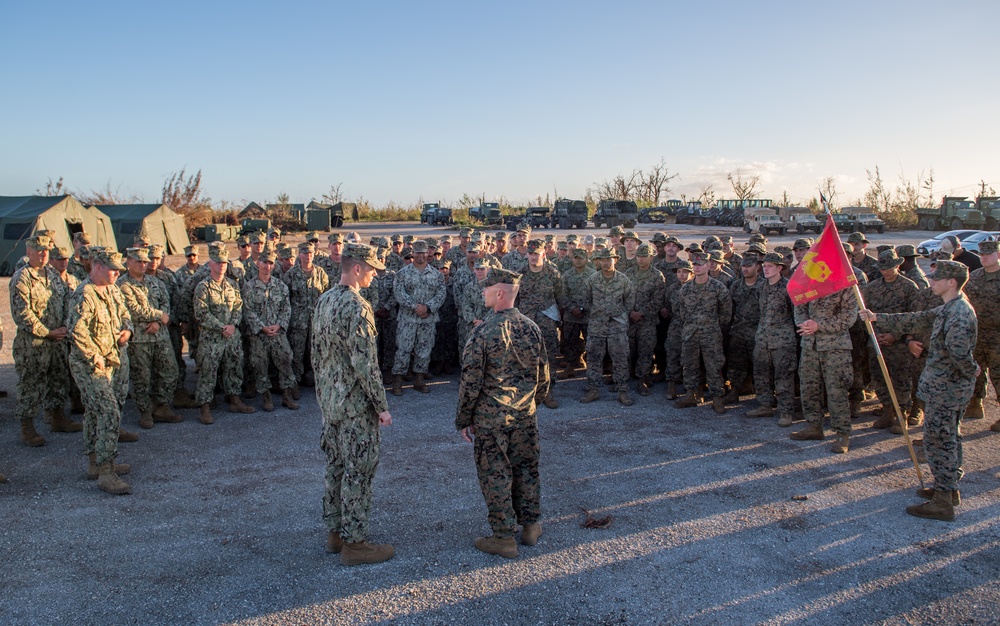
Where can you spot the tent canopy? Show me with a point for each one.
(157, 221)
(20, 216)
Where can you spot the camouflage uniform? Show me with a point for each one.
(775, 348)
(574, 330)
(350, 394)
(917, 276)
(266, 304)
(539, 297)
(38, 299)
(446, 351)
(76, 269)
(150, 355)
(505, 375)
(304, 291)
(895, 297)
(674, 372)
(385, 321)
(743, 332)
(462, 279)
(983, 291)
(170, 280)
(650, 297)
(331, 267)
(98, 316)
(947, 382)
(218, 304)
(414, 335)
(868, 266)
(608, 302)
(515, 261)
(706, 309)
(826, 359)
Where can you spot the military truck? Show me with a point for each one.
(341, 209)
(249, 225)
(763, 221)
(989, 206)
(569, 214)
(955, 213)
(844, 222)
(487, 213)
(800, 219)
(865, 221)
(616, 213)
(690, 213)
(432, 213)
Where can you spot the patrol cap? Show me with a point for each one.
(711, 239)
(644, 250)
(683, 264)
(695, 247)
(572, 238)
(406, 252)
(717, 256)
(699, 258)
(482, 264)
(419, 246)
(888, 259)
(659, 237)
(726, 239)
(756, 248)
(442, 264)
(219, 254)
(616, 230)
(381, 242)
(535, 245)
(138, 254)
(949, 269)
(337, 238)
(285, 252)
(501, 277)
(908, 250)
(268, 256)
(409, 238)
(601, 241)
(713, 245)
(802, 244)
(773, 257)
(757, 237)
(38, 242)
(307, 246)
(257, 236)
(883, 247)
(190, 250)
(274, 232)
(463, 233)
(605, 253)
(141, 241)
(445, 238)
(312, 236)
(399, 238)
(60, 253)
(500, 236)
(84, 252)
(106, 257)
(361, 252)
(857, 238)
(478, 236)
(431, 242)
(848, 249)
(242, 241)
(474, 246)
(783, 250)
(579, 253)
(550, 237)
(630, 235)
(562, 245)
(81, 238)
(988, 246)
(47, 232)
(156, 251)
(524, 228)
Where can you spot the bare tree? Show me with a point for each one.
(707, 196)
(984, 188)
(877, 197)
(829, 190)
(334, 195)
(928, 186)
(620, 187)
(785, 200)
(53, 188)
(654, 184)
(744, 188)
(108, 195)
(182, 192)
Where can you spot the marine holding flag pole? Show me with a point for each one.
(825, 270)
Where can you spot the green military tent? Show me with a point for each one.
(157, 221)
(22, 215)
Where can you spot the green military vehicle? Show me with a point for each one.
(569, 214)
(763, 221)
(865, 221)
(955, 213)
(616, 213)
(432, 213)
(800, 219)
(989, 206)
(250, 225)
(487, 213)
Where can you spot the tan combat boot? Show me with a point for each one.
(974, 411)
(569, 372)
(785, 420)
(288, 401)
(841, 444)
(93, 471)
(108, 481)
(419, 384)
(334, 542)
(886, 418)
(364, 552)
(296, 393)
(3, 479)
(686, 401)
(505, 547)
(163, 414)
(29, 435)
(939, 508)
(996, 427)
(184, 400)
(61, 424)
(397, 385)
(146, 420)
(206, 414)
(928, 494)
(762, 410)
(530, 533)
(550, 401)
(591, 395)
(268, 402)
(624, 398)
(125, 436)
(236, 405)
(812, 432)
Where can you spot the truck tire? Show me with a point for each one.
(746, 228)
(800, 229)
(338, 222)
(859, 228)
(956, 224)
(991, 223)
(782, 231)
(880, 229)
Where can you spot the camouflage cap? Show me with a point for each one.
(157, 251)
(382, 242)
(273, 232)
(774, 257)
(286, 252)
(106, 257)
(857, 238)
(944, 270)
(501, 236)
(45, 232)
(60, 253)
(717, 256)
(580, 253)
(336, 238)
(406, 252)
(699, 258)
(783, 250)
(267, 256)
(726, 239)
(257, 236)
(750, 259)
(888, 259)
(605, 253)
(474, 247)
(524, 229)
(312, 236)
(802, 244)
(219, 254)
(683, 264)
(713, 245)
(442, 264)
(549, 238)
(616, 231)
(536, 245)
(757, 237)
(189, 250)
(138, 254)
(84, 252)
(883, 247)
(141, 241)
(409, 239)
(711, 239)
(562, 245)
(659, 237)
(364, 253)
(644, 250)
(431, 243)
(695, 247)
(482, 264)
(907, 250)
(464, 233)
(501, 277)
(307, 246)
(848, 249)
(81, 238)
(477, 236)
(399, 238)
(572, 238)
(756, 248)
(940, 255)
(242, 241)
(419, 246)
(630, 235)
(445, 238)
(989, 246)
(38, 242)
(674, 240)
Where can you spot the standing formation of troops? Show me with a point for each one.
(710, 324)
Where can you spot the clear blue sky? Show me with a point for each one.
(403, 100)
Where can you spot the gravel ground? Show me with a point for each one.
(224, 524)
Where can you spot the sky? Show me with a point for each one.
(407, 101)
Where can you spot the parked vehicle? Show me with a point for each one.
(924, 248)
(989, 206)
(616, 213)
(865, 221)
(487, 213)
(955, 212)
(654, 215)
(535, 217)
(690, 213)
(844, 222)
(569, 213)
(249, 225)
(764, 221)
(971, 243)
(432, 214)
(800, 219)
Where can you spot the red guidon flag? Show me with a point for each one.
(824, 270)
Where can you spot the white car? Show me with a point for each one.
(924, 248)
(971, 243)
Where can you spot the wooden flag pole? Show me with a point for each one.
(892, 391)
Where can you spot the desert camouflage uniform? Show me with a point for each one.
(861, 368)
(574, 330)
(983, 291)
(394, 262)
(331, 267)
(826, 359)
(947, 382)
(350, 394)
(895, 297)
(625, 265)
(266, 304)
(98, 316)
(743, 332)
(775, 348)
(706, 309)
(304, 291)
(650, 297)
(76, 269)
(38, 301)
(414, 335)
(540, 293)
(608, 302)
(172, 281)
(505, 375)
(218, 304)
(151, 358)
